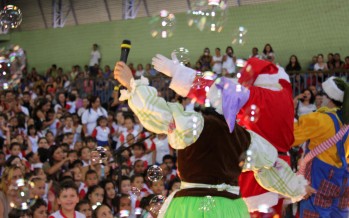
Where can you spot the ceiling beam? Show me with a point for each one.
(73, 12)
(146, 7)
(188, 4)
(107, 9)
(42, 14)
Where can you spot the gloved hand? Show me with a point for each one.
(165, 65)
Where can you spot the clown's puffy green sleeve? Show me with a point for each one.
(161, 117)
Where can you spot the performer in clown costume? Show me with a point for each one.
(325, 164)
(270, 92)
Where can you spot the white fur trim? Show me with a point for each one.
(331, 89)
(282, 74)
(271, 81)
(269, 199)
(182, 80)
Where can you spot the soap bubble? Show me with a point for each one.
(240, 62)
(154, 173)
(124, 213)
(239, 36)
(155, 203)
(207, 204)
(135, 192)
(251, 114)
(207, 15)
(163, 25)
(10, 17)
(209, 75)
(19, 195)
(99, 154)
(96, 205)
(248, 161)
(182, 55)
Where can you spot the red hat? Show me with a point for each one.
(257, 72)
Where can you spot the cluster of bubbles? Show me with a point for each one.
(207, 204)
(154, 173)
(99, 154)
(251, 114)
(208, 15)
(163, 25)
(156, 203)
(19, 195)
(10, 17)
(12, 62)
(239, 36)
(248, 159)
(195, 126)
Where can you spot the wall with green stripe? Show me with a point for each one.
(296, 27)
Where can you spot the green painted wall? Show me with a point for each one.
(301, 27)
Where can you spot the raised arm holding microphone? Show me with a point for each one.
(208, 153)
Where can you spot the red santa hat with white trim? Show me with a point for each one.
(261, 73)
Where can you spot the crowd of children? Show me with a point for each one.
(74, 153)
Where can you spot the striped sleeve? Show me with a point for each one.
(273, 173)
(161, 117)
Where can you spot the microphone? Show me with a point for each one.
(125, 49)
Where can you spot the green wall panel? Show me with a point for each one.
(301, 27)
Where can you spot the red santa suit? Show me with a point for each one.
(275, 120)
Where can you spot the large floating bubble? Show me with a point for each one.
(10, 17)
(99, 154)
(182, 55)
(19, 195)
(156, 203)
(154, 173)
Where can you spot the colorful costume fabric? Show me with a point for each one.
(272, 94)
(208, 155)
(327, 172)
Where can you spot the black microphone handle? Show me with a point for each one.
(124, 54)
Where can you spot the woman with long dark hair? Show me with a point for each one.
(56, 161)
(40, 114)
(268, 53)
(293, 64)
(304, 103)
(61, 102)
(110, 196)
